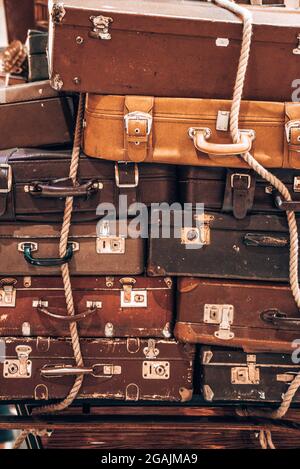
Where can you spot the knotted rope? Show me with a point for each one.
(67, 282)
(246, 16)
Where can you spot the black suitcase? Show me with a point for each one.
(233, 375)
(124, 369)
(34, 184)
(237, 191)
(216, 245)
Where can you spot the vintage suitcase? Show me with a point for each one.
(252, 316)
(33, 115)
(105, 306)
(93, 249)
(190, 131)
(41, 14)
(125, 369)
(233, 375)
(34, 184)
(19, 18)
(236, 191)
(216, 245)
(37, 43)
(185, 46)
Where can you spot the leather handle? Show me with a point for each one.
(279, 319)
(201, 136)
(76, 318)
(285, 205)
(260, 240)
(47, 262)
(60, 371)
(45, 190)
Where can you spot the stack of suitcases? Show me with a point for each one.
(210, 312)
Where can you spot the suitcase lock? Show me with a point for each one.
(246, 374)
(8, 293)
(20, 367)
(132, 298)
(107, 243)
(222, 315)
(156, 370)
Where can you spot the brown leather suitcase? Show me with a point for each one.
(252, 316)
(189, 49)
(19, 18)
(93, 249)
(125, 369)
(233, 375)
(190, 131)
(34, 184)
(41, 14)
(236, 191)
(216, 245)
(34, 115)
(105, 306)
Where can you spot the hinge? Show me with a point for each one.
(107, 243)
(222, 315)
(19, 367)
(248, 374)
(132, 298)
(8, 293)
(101, 25)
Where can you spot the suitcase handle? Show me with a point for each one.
(279, 319)
(286, 205)
(260, 240)
(47, 262)
(99, 370)
(76, 318)
(200, 136)
(45, 190)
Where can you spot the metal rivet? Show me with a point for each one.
(76, 80)
(79, 40)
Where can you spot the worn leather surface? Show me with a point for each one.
(169, 141)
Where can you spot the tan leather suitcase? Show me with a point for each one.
(190, 131)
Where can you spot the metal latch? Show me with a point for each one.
(295, 124)
(101, 25)
(9, 178)
(297, 184)
(297, 50)
(199, 235)
(156, 370)
(138, 116)
(20, 367)
(151, 351)
(132, 298)
(107, 243)
(134, 184)
(223, 119)
(248, 374)
(222, 315)
(8, 293)
(40, 304)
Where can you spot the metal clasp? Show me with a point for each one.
(248, 374)
(20, 367)
(156, 370)
(132, 298)
(101, 25)
(139, 116)
(107, 243)
(296, 51)
(223, 119)
(296, 186)
(8, 293)
(151, 351)
(117, 176)
(222, 315)
(240, 176)
(9, 178)
(288, 128)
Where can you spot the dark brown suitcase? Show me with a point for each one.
(233, 375)
(128, 369)
(34, 184)
(216, 245)
(93, 249)
(19, 18)
(105, 307)
(236, 191)
(253, 316)
(185, 45)
(34, 115)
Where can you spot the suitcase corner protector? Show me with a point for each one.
(185, 394)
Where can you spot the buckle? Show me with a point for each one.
(9, 178)
(240, 176)
(139, 116)
(117, 176)
(288, 128)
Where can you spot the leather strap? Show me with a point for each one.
(239, 193)
(138, 127)
(127, 183)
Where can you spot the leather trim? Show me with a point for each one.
(137, 139)
(239, 193)
(186, 285)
